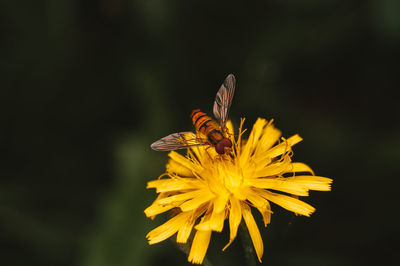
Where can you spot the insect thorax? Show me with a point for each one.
(215, 136)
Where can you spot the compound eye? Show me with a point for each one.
(219, 148)
(226, 143)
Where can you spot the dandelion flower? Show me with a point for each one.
(205, 188)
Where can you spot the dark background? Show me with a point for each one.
(86, 86)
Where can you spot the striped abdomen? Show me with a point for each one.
(205, 125)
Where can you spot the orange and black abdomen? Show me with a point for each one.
(202, 122)
(205, 125)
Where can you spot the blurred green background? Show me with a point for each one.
(87, 86)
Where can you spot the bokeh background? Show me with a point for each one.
(87, 86)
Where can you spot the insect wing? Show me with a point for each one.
(223, 100)
(176, 141)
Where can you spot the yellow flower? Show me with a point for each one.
(206, 188)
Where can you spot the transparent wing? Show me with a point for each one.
(223, 100)
(176, 141)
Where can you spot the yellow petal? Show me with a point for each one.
(312, 182)
(180, 160)
(182, 196)
(284, 146)
(204, 155)
(239, 138)
(289, 203)
(186, 229)
(253, 231)
(229, 126)
(167, 185)
(269, 137)
(199, 246)
(281, 184)
(198, 152)
(235, 216)
(276, 168)
(253, 139)
(301, 167)
(204, 224)
(167, 229)
(154, 205)
(178, 169)
(261, 204)
(220, 202)
(156, 209)
(217, 220)
(205, 196)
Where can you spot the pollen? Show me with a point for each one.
(205, 188)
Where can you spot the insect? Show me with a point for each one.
(210, 132)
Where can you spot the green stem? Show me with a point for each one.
(247, 245)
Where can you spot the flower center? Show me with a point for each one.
(226, 179)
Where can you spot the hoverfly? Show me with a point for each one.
(215, 134)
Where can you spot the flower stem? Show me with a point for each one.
(247, 245)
